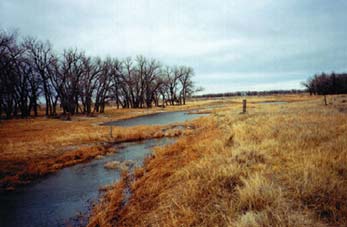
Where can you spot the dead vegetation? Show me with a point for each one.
(122, 166)
(31, 148)
(277, 165)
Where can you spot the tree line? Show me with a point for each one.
(325, 84)
(32, 73)
(250, 93)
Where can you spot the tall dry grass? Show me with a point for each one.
(30, 148)
(278, 165)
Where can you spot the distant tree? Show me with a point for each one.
(324, 84)
(186, 82)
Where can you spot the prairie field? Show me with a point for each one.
(173, 113)
(33, 147)
(277, 165)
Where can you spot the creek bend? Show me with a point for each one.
(57, 199)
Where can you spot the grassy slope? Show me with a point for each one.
(278, 165)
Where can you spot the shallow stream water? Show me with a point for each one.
(156, 119)
(59, 198)
(56, 199)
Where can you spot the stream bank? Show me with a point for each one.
(58, 198)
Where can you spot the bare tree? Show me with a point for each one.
(104, 85)
(30, 70)
(40, 56)
(92, 69)
(152, 80)
(186, 74)
(172, 78)
(116, 75)
(68, 72)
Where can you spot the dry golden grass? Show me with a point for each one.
(30, 148)
(277, 165)
(33, 147)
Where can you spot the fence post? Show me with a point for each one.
(244, 106)
(111, 131)
(325, 100)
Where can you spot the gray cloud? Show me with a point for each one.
(232, 44)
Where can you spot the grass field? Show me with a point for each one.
(31, 148)
(277, 165)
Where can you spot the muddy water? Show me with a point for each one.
(156, 119)
(57, 199)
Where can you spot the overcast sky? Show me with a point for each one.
(231, 44)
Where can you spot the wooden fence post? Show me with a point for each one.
(244, 106)
(325, 100)
(111, 131)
